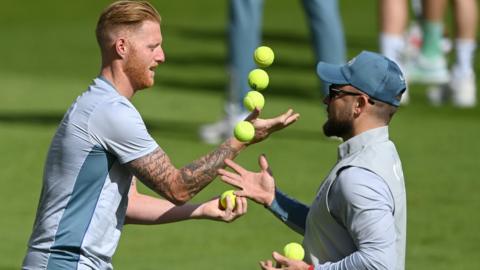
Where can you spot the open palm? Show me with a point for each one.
(258, 186)
(265, 127)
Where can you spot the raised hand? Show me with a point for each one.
(258, 186)
(265, 127)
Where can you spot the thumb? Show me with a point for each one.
(229, 203)
(280, 259)
(253, 115)
(262, 161)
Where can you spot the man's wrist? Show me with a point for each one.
(311, 267)
(236, 144)
(267, 202)
(197, 210)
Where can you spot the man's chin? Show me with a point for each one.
(146, 84)
(327, 131)
(150, 84)
(336, 129)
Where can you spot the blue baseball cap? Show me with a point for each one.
(374, 74)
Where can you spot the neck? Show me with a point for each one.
(114, 73)
(359, 128)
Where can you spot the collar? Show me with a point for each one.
(363, 139)
(103, 83)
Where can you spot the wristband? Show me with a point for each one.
(311, 267)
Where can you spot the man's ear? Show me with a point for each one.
(360, 104)
(122, 47)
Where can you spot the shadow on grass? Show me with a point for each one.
(269, 36)
(181, 130)
(8, 267)
(31, 118)
(356, 43)
(204, 59)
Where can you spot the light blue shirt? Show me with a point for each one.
(358, 217)
(83, 202)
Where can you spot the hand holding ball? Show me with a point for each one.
(227, 195)
(294, 251)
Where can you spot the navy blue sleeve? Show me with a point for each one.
(290, 211)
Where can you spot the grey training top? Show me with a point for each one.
(85, 185)
(358, 219)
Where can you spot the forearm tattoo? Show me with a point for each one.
(179, 185)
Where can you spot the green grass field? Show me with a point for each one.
(48, 56)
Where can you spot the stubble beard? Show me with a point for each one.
(138, 73)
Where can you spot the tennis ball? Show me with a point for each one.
(263, 56)
(253, 100)
(244, 131)
(227, 195)
(258, 79)
(294, 251)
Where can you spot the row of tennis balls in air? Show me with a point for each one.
(258, 80)
(291, 250)
(244, 131)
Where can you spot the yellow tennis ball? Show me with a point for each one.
(227, 195)
(263, 56)
(253, 100)
(294, 251)
(258, 79)
(244, 131)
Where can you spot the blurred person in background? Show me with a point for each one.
(358, 217)
(244, 35)
(431, 67)
(102, 142)
(393, 22)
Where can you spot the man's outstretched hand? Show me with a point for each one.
(265, 127)
(258, 186)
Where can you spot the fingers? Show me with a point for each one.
(250, 195)
(233, 212)
(285, 119)
(266, 265)
(291, 119)
(241, 206)
(253, 115)
(229, 204)
(280, 259)
(230, 163)
(231, 179)
(262, 161)
(232, 175)
(241, 193)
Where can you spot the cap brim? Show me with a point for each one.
(331, 73)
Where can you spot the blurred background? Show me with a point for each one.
(48, 56)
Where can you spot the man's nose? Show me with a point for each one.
(160, 56)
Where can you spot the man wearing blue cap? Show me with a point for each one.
(358, 217)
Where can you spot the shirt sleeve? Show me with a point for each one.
(361, 201)
(119, 128)
(290, 211)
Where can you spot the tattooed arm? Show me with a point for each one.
(179, 185)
